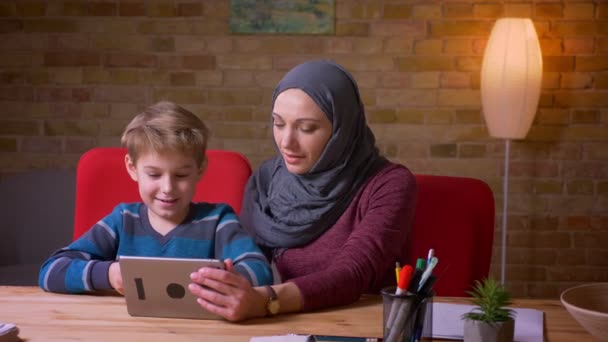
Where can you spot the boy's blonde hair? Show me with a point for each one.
(166, 127)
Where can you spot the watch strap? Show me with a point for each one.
(272, 305)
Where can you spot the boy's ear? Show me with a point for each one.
(130, 165)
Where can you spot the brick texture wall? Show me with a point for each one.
(73, 73)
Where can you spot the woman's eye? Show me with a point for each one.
(308, 129)
(278, 124)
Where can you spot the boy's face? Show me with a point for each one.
(167, 182)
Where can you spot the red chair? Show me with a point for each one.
(455, 217)
(102, 182)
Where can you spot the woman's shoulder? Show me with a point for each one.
(392, 186)
(393, 172)
(390, 178)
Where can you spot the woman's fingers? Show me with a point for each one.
(226, 293)
(219, 278)
(230, 306)
(210, 295)
(230, 313)
(215, 285)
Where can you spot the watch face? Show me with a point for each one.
(273, 307)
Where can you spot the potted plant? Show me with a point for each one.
(490, 320)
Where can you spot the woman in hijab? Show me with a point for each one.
(331, 212)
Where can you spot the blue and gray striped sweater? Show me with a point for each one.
(209, 231)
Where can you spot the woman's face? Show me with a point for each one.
(300, 129)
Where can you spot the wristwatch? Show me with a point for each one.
(272, 305)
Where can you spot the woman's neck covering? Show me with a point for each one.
(285, 210)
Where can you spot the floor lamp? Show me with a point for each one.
(511, 74)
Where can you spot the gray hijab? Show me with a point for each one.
(285, 210)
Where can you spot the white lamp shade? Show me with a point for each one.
(511, 75)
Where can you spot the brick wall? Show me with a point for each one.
(72, 74)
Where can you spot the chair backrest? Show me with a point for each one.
(455, 217)
(102, 182)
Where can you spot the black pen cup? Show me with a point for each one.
(407, 317)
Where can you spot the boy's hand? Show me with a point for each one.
(116, 278)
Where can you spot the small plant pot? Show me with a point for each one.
(479, 331)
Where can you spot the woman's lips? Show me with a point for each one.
(292, 159)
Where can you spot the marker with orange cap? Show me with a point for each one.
(405, 275)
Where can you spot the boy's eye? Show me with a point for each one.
(153, 175)
(181, 176)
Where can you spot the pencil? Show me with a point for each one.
(397, 271)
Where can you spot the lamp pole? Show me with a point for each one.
(505, 199)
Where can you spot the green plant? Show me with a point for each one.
(491, 299)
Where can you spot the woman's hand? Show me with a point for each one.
(116, 278)
(227, 294)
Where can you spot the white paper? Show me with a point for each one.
(449, 324)
(281, 338)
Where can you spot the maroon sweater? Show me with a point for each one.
(358, 254)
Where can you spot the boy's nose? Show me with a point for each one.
(167, 185)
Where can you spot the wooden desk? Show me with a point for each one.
(44, 316)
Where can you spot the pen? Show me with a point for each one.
(427, 272)
(420, 265)
(430, 256)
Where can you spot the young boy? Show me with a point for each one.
(166, 157)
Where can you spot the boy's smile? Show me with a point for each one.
(167, 183)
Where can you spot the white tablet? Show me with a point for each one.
(158, 287)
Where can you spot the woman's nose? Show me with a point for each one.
(289, 139)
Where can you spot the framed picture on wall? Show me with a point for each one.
(282, 16)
